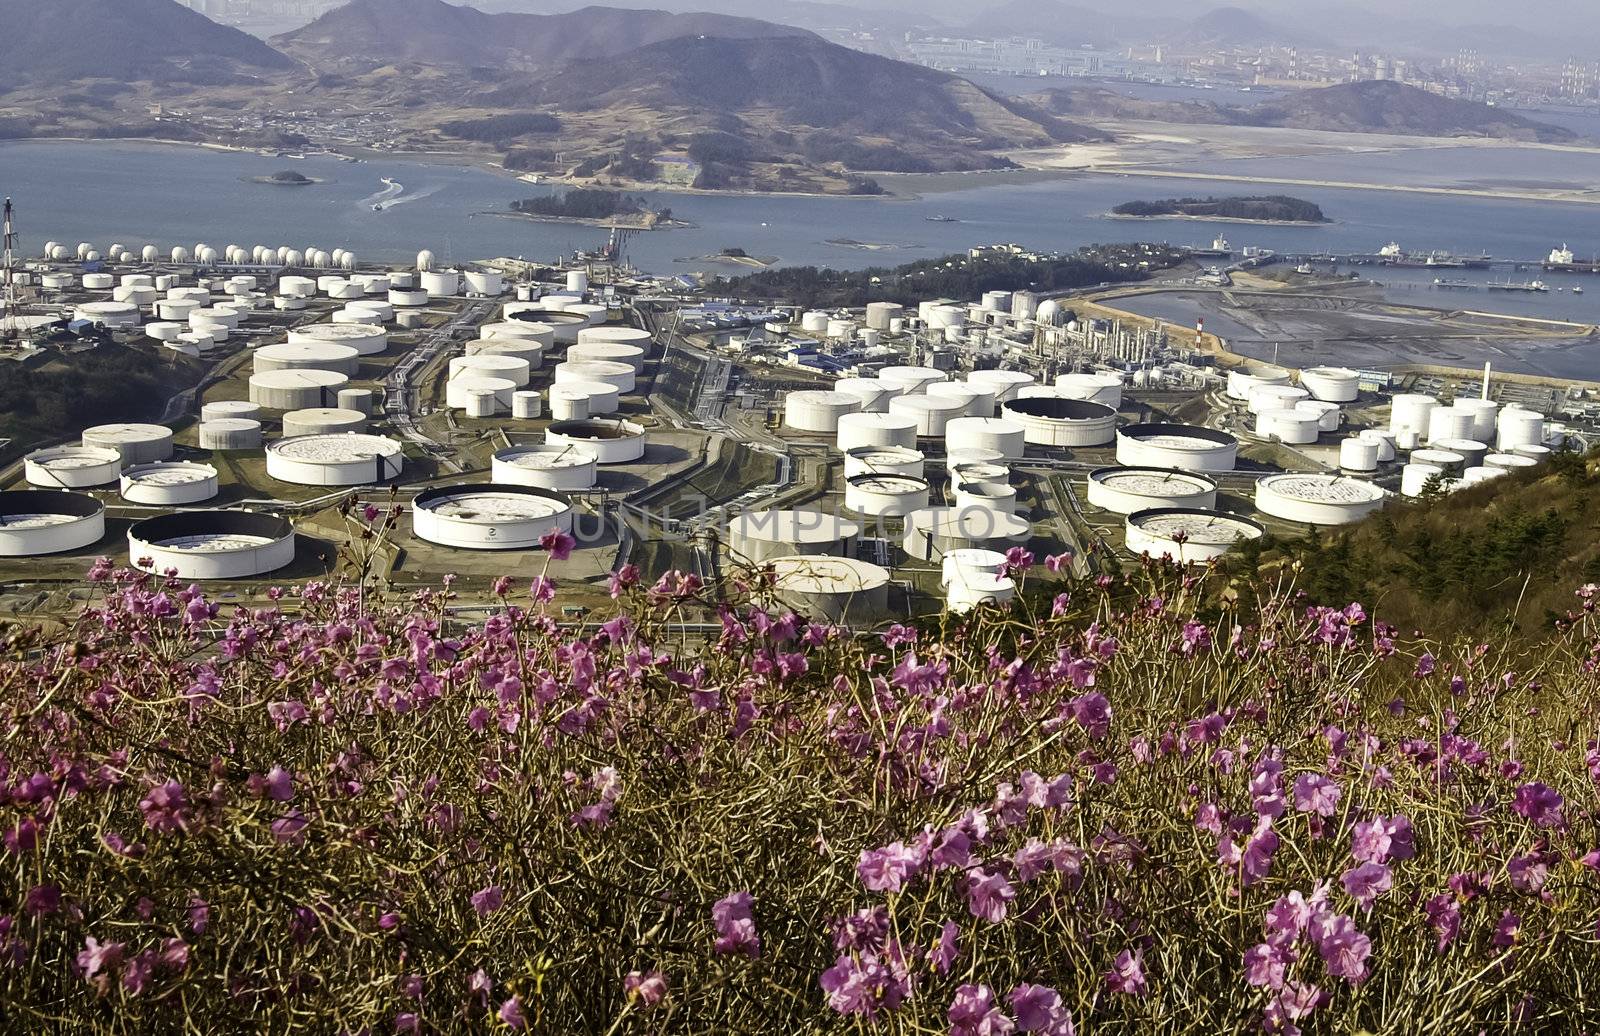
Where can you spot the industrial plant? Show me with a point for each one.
(880, 462)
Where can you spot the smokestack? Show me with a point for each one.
(1486, 367)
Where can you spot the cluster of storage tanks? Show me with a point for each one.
(1462, 443)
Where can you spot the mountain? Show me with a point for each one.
(1065, 24)
(375, 33)
(63, 40)
(793, 97)
(1366, 107)
(1389, 107)
(1235, 27)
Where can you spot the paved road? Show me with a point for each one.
(401, 402)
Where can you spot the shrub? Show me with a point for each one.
(1115, 811)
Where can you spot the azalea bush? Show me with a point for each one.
(1109, 808)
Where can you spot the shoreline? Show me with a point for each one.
(600, 223)
(1588, 197)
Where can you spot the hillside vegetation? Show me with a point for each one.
(950, 276)
(1116, 808)
(1275, 208)
(1483, 557)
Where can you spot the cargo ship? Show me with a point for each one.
(1561, 260)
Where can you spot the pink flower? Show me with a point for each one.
(1540, 804)
(1366, 882)
(735, 924)
(650, 988)
(1509, 931)
(1127, 974)
(1444, 914)
(558, 544)
(290, 828)
(97, 958)
(1343, 947)
(946, 949)
(973, 1013)
(867, 984)
(487, 900)
(1314, 793)
(988, 895)
(888, 869)
(512, 1015)
(280, 784)
(1265, 964)
(1039, 1009)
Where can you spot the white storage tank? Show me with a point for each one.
(1181, 446)
(365, 339)
(1097, 388)
(577, 281)
(440, 284)
(883, 460)
(481, 403)
(931, 413)
(934, 532)
(1052, 421)
(1004, 437)
(230, 433)
(108, 314)
(975, 400)
(169, 483)
(1275, 397)
(611, 441)
(176, 310)
(229, 408)
(527, 405)
(323, 421)
(568, 403)
(1450, 423)
(910, 380)
(345, 459)
(1410, 412)
(523, 330)
(818, 411)
(1358, 454)
(34, 522)
(966, 590)
(1331, 384)
(607, 352)
(72, 467)
(1533, 450)
(881, 314)
(1470, 451)
(757, 537)
(484, 282)
(998, 496)
(529, 352)
(814, 323)
(1385, 441)
(1519, 427)
(876, 430)
(136, 443)
(1005, 384)
(618, 375)
(1509, 461)
(1293, 427)
(1485, 416)
(364, 312)
(289, 356)
(564, 468)
(296, 389)
(1187, 535)
(1242, 383)
(407, 298)
(98, 282)
(460, 391)
(200, 545)
(489, 517)
(357, 399)
(881, 495)
(969, 471)
(873, 394)
(1414, 477)
(1317, 499)
(637, 337)
(1329, 416)
(491, 365)
(831, 589)
(1446, 460)
(1126, 490)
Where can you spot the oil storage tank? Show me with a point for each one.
(136, 443)
(933, 532)
(491, 365)
(72, 467)
(883, 460)
(489, 517)
(561, 468)
(932, 414)
(308, 356)
(1317, 499)
(212, 544)
(1004, 437)
(876, 430)
(169, 483)
(818, 411)
(831, 589)
(230, 433)
(34, 522)
(883, 495)
(612, 442)
(296, 389)
(346, 459)
(761, 536)
(1053, 421)
(1331, 384)
(1127, 490)
(1181, 446)
(1187, 535)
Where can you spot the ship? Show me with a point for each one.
(1561, 260)
(1445, 284)
(1529, 286)
(1392, 254)
(1220, 249)
(942, 219)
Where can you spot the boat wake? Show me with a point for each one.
(392, 191)
(406, 199)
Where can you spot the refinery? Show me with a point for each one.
(880, 461)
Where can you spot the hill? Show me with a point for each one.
(742, 108)
(375, 33)
(1234, 27)
(159, 40)
(1366, 107)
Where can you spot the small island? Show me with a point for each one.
(287, 178)
(1273, 208)
(595, 207)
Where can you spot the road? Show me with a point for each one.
(400, 399)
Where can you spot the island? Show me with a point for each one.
(287, 178)
(595, 207)
(1271, 208)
